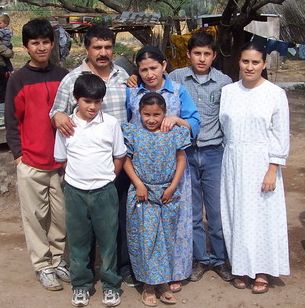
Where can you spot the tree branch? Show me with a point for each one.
(228, 11)
(167, 3)
(114, 5)
(262, 3)
(67, 5)
(44, 4)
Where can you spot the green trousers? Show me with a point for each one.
(90, 212)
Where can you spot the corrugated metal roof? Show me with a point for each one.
(137, 18)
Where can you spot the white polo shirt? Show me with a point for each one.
(90, 151)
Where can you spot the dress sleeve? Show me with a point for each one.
(182, 138)
(128, 133)
(189, 111)
(279, 131)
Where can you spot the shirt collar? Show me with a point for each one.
(97, 119)
(167, 87)
(211, 74)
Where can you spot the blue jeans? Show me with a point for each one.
(205, 167)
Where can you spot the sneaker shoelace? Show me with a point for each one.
(48, 275)
(110, 294)
(80, 294)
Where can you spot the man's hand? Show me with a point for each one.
(132, 81)
(64, 124)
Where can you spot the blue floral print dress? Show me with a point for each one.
(178, 103)
(153, 230)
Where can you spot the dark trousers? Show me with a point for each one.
(89, 213)
(122, 184)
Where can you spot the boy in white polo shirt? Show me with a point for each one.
(94, 155)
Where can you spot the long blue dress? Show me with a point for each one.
(179, 103)
(152, 226)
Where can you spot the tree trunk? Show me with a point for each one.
(230, 43)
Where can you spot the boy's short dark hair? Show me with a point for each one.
(89, 86)
(99, 32)
(201, 39)
(37, 28)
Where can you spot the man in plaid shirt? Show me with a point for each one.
(99, 42)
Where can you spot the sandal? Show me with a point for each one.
(149, 296)
(175, 286)
(260, 286)
(166, 295)
(240, 282)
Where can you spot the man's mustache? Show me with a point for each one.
(103, 58)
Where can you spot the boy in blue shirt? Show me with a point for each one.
(94, 155)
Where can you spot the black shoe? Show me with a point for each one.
(128, 277)
(131, 281)
(224, 272)
(198, 270)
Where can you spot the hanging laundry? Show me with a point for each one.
(280, 46)
(259, 39)
(292, 51)
(302, 51)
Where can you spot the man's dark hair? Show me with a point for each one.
(37, 28)
(89, 86)
(99, 32)
(201, 39)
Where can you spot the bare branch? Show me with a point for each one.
(67, 5)
(167, 3)
(44, 4)
(262, 3)
(114, 5)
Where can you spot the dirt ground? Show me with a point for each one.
(20, 289)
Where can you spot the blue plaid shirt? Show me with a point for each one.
(206, 96)
(114, 102)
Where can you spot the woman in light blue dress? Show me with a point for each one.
(181, 111)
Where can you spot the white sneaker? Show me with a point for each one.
(111, 298)
(62, 271)
(80, 297)
(48, 279)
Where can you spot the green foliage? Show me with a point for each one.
(122, 49)
(16, 40)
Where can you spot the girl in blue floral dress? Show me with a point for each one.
(155, 164)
